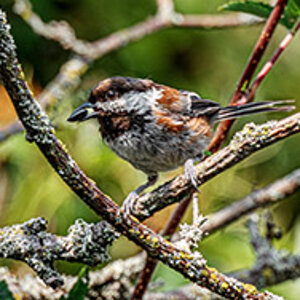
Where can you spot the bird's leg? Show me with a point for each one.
(190, 172)
(128, 204)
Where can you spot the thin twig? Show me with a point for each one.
(273, 193)
(40, 132)
(248, 73)
(268, 66)
(166, 17)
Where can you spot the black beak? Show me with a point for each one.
(83, 112)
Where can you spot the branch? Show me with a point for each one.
(29, 242)
(151, 263)
(166, 17)
(244, 143)
(273, 193)
(220, 134)
(247, 75)
(272, 266)
(113, 280)
(69, 76)
(41, 133)
(63, 84)
(268, 66)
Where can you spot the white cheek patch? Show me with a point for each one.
(142, 102)
(114, 106)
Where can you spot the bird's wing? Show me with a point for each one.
(203, 107)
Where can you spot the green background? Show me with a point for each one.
(208, 62)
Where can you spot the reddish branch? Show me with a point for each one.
(248, 73)
(267, 67)
(41, 133)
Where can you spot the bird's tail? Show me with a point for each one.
(233, 112)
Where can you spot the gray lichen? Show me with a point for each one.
(29, 242)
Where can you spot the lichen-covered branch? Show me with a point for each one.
(114, 279)
(272, 266)
(29, 242)
(112, 282)
(66, 81)
(244, 143)
(41, 133)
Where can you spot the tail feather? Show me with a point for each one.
(233, 112)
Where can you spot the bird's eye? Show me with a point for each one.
(110, 94)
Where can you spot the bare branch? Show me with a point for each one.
(166, 17)
(41, 133)
(217, 21)
(273, 193)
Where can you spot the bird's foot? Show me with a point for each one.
(190, 173)
(128, 204)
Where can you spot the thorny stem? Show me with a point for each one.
(41, 133)
(248, 73)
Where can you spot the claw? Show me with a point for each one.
(190, 173)
(128, 204)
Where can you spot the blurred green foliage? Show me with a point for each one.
(206, 61)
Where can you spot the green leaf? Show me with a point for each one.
(207, 153)
(292, 12)
(81, 287)
(5, 293)
(259, 9)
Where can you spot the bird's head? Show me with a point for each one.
(111, 97)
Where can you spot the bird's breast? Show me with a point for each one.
(114, 126)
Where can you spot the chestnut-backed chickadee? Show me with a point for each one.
(158, 128)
